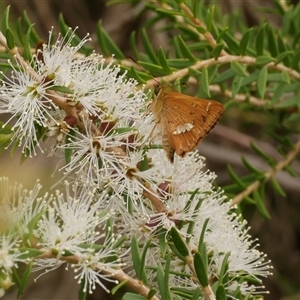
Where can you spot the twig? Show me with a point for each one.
(256, 184)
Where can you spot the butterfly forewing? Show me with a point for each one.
(188, 120)
(184, 120)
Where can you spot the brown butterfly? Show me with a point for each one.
(183, 120)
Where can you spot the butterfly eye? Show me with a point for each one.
(157, 89)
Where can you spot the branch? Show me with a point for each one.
(256, 184)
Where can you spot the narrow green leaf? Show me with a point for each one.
(295, 60)
(62, 89)
(107, 43)
(204, 84)
(151, 293)
(19, 29)
(283, 55)
(238, 69)
(143, 262)
(250, 167)
(259, 43)
(261, 153)
(231, 42)
(235, 177)
(197, 294)
(262, 82)
(221, 293)
(179, 243)
(132, 42)
(236, 85)
(5, 19)
(163, 61)
(25, 277)
(10, 39)
(200, 269)
(148, 47)
(245, 40)
(292, 102)
(273, 48)
(131, 296)
(27, 48)
(285, 77)
(224, 269)
(228, 74)
(118, 286)
(289, 169)
(264, 59)
(277, 187)
(217, 50)
(82, 293)
(185, 50)
(33, 37)
(202, 235)
(136, 257)
(69, 151)
(153, 69)
(259, 201)
(161, 281)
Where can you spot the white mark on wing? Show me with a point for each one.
(183, 128)
(207, 106)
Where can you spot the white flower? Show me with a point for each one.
(72, 220)
(19, 206)
(26, 99)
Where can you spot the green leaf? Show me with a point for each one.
(277, 187)
(200, 269)
(132, 42)
(231, 42)
(131, 296)
(204, 84)
(217, 50)
(185, 50)
(261, 153)
(148, 47)
(295, 60)
(235, 177)
(259, 201)
(151, 293)
(262, 82)
(236, 85)
(179, 243)
(244, 41)
(69, 151)
(62, 89)
(238, 69)
(10, 39)
(33, 37)
(283, 55)
(202, 235)
(273, 48)
(19, 29)
(5, 136)
(259, 44)
(264, 59)
(24, 279)
(163, 61)
(82, 293)
(5, 19)
(250, 167)
(221, 293)
(228, 74)
(118, 286)
(197, 294)
(27, 48)
(136, 257)
(107, 45)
